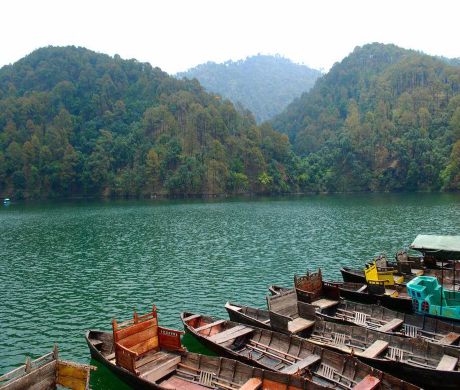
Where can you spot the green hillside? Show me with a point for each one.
(383, 119)
(263, 84)
(78, 123)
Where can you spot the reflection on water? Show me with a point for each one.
(68, 267)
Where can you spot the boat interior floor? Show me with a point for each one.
(156, 365)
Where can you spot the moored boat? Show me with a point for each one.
(395, 298)
(413, 360)
(46, 373)
(289, 354)
(312, 289)
(369, 316)
(147, 356)
(384, 320)
(429, 297)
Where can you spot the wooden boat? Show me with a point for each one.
(395, 298)
(373, 317)
(47, 372)
(169, 366)
(414, 360)
(311, 288)
(431, 298)
(289, 354)
(197, 372)
(385, 320)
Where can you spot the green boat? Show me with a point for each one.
(429, 297)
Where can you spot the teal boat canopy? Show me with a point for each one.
(442, 247)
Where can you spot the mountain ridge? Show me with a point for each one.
(264, 84)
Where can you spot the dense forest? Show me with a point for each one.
(263, 84)
(77, 123)
(384, 119)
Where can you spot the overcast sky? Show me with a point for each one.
(178, 34)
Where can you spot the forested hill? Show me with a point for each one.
(263, 84)
(383, 119)
(77, 123)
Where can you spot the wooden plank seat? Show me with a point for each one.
(252, 384)
(178, 383)
(450, 338)
(368, 383)
(324, 303)
(375, 349)
(192, 317)
(160, 367)
(299, 324)
(301, 364)
(207, 326)
(447, 363)
(231, 333)
(391, 325)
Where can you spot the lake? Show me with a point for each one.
(70, 266)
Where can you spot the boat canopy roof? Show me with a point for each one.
(446, 247)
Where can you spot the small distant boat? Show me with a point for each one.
(47, 372)
(6, 201)
(413, 360)
(431, 298)
(288, 354)
(147, 356)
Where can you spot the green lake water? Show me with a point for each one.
(70, 266)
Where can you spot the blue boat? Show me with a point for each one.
(429, 297)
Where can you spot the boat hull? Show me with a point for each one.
(243, 319)
(397, 304)
(126, 376)
(423, 377)
(349, 275)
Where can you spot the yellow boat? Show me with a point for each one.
(389, 278)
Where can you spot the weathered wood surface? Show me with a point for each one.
(301, 364)
(229, 334)
(207, 326)
(391, 325)
(324, 303)
(450, 338)
(252, 384)
(299, 324)
(368, 383)
(447, 363)
(375, 349)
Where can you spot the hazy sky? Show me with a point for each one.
(178, 34)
